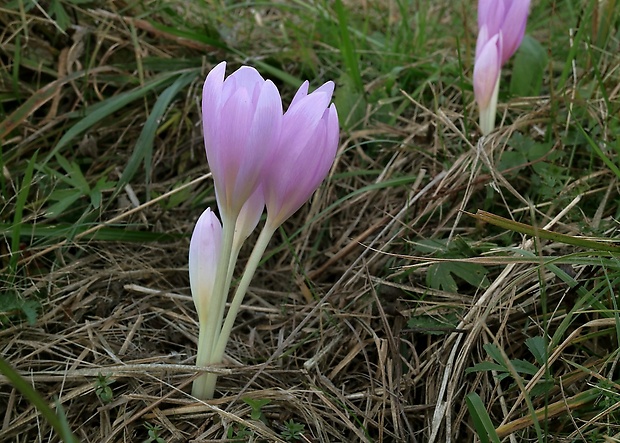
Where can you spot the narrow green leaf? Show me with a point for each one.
(482, 421)
(58, 208)
(62, 231)
(106, 108)
(542, 233)
(144, 145)
(54, 419)
(485, 366)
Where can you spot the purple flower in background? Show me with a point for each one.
(304, 155)
(242, 119)
(501, 27)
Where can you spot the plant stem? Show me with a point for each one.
(248, 273)
(220, 318)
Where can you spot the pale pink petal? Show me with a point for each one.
(487, 70)
(491, 13)
(301, 93)
(262, 138)
(249, 216)
(300, 169)
(513, 28)
(204, 253)
(242, 121)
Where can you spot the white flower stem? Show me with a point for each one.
(248, 273)
(208, 333)
(236, 247)
(487, 115)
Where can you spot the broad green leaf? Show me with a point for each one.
(528, 68)
(495, 353)
(472, 273)
(524, 367)
(439, 276)
(538, 347)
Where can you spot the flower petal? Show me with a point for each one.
(300, 169)
(513, 28)
(487, 70)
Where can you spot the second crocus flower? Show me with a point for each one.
(304, 155)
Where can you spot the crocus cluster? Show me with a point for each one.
(260, 157)
(501, 26)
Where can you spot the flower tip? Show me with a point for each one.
(216, 74)
(327, 87)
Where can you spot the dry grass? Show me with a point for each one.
(323, 333)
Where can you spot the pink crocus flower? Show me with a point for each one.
(506, 16)
(501, 27)
(304, 155)
(259, 156)
(242, 118)
(204, 253)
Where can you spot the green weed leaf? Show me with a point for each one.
(538, 347)
(528, 68)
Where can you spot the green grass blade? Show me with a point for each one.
(541, 233)
(595, 147)
(347, 49)
(105, 109)
(143, 150)
(482, 421)
(22, 195)
(62, 231)
(38, 99)
(56, 420)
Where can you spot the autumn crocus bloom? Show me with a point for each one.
(501, 26)
(242, 118)
(259, 157)
(296, 167)
(304, 155)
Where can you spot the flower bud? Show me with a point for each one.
(204, 253)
